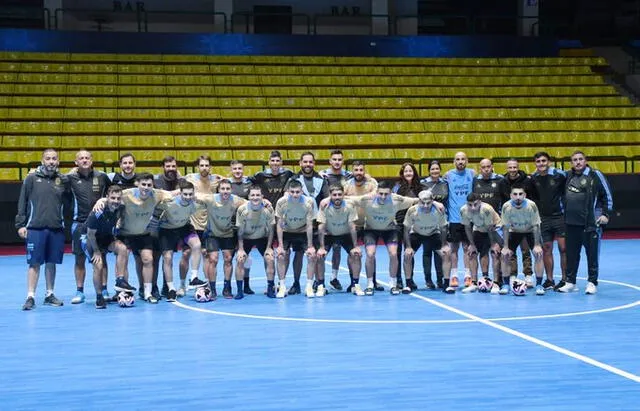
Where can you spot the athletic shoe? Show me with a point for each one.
(432, 286)
(471, 288)
(247, 290)
(151, 299)
(411, 284)
(357, 290)
(335, 284)
(52, 300)
(124, 286)
(197, 283)
(395, 290)
(171, 296)
(282, 292)
(165, 290)
(495, 289)
(226, 292)
(140, 294)
(369, 291)
(181, 292)
(271, 293)
(567, 288)
(78, 298)
(454, 282)
(350, 288)
(528, 280)
(504, 289)
(540, 290)
(321, 291)
(105, 294)
(101, 304)
(399, 282)
(548, 284)
(449, 290)
(295, 289)
(439, 283)
(591, 288)
(29, 304)
(378, 287)
(308, 291)
(239, 295)
(155, 292)
(467, 280)
(406, 290)
(560, 284)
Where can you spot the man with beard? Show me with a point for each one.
(126, 178)
(87, 186)
(40, 223)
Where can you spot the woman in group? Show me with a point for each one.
(440, 190)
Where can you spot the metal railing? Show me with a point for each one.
(97, 13)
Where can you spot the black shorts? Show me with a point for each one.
(433, 240)
(171, 238)
(457, 234)
(551, 227)
(213, 243)
(482, 242)
(103, 245)
(137, 243)
(77, 230)
(333, 241)
(371, 237)
(294, 241)
(259, 243)
(516, 238)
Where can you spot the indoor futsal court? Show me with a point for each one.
(421, 351)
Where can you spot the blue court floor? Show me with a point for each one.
(421, 351)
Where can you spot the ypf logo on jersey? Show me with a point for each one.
(96, 184)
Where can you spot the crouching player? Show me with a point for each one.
(426, 226)
(99, 239)
(255, 224)
(336, 227)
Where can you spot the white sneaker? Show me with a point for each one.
(308, 291)
(528, 280)
(181, 292)
(470, 288)
(567, 288)
(495, 288)
(321, 291)
(282, 292)
(591, 289)
(357, 290)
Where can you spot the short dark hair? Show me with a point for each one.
(336, 151)
(335, 187)
(144, 176)
(234, 162)
(473, 197)
(541, 154)
(168, 159)
(203, 157)
(578, 152)
(114, 189)
(384, 184)
(307, 153)
(294, 184)
(275, 153)
(184, 184)
(125, 155)
(517, 186)
(357, 163)
(254, 187)
(224, 181)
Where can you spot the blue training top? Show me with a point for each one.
(460, 185)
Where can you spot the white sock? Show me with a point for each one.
(309, 282)
(31, 294)
(147, 290)
(183, 282)
(194, 274)
(369, 282)
(334, 274)
(49, 292)
(171, 286)
(282, 283)
(393, 281)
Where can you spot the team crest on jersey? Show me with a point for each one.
(57, 181)
(551, 183)
(583, 182)
(493, 185)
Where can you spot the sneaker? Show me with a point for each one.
(449, 290)
(335, 284)
(214, 294)
(308, 291)
(467, 280)
(350, 288)
(411, 284)
(357, 290)
(239, 295)
(471, 288)
(540, 290)
(591, 288)
(282, 292)
(432, 286)
(140, 294)
(52, 300)
(155, 292)
(78, 298)
(378, 287)
(439, 284)
(369, 291)
(124, 286)
(528, 280)
(504, 289)
(548, 284)
(567, 288)
(165, 290)
(406, 290)
(495, 289)
(271, 292)
(226, 292)
(295, 289)
(560, 284)
(151, 299)
(101, 304)
(172, 295)
(395, 290)
(29, 304)
(247, 290)
(399, 283)
(321, 291)
(197, 283)
(181, 292)
(105, 294)
(454, 282)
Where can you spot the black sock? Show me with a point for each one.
(445, 282)
(227, 283)
(538, 280)
(271, 283)
(81, 289)
(239, 285)
(355, 281)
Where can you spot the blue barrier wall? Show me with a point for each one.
(262, 44)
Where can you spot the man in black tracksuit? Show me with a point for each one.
(588, 206)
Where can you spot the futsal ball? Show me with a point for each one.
(126, 299)
(485, 284)
(519, 287)
(203, 295)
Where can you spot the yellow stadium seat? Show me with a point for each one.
(186, 69)
(251, 155)
(152, 155)
(197, 79)
(89, 127)
(249, 141)
(91, 102)
(36, 142)
(126, 142)
(9, 174)
(319, 154)
(88, 142)
(245, 113)
(198, 127)
(34, 127)
(307, 140)
(205, 141)
(155, 114)
(299, 127)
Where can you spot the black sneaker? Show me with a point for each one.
(151, 299)
(548, 284)
(101, 304)
(226, 292)
(155, 292)
(349, 288)
(411, 284)
(214, 294)
(271, 292)
(378, 287)
(29, 304)
(140, 293)
(123, 285)
(52, 300)
(396, 290)
(246, 289)
(399, 282)
(165, 290)
(171, 296)
(439, 284)
(369, 291)
(560, 284)
(197, 283)
(432, 286)
(335, 283)
(295, 289)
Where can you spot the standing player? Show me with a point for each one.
(520, 221)
(98, 239)
(273, 181)
(482, 227)
(126, 178)
(255, 224)
(440, 191)
(240, 185)
(460, 181)
(87, 186)
(40, 223)
(426, 226)
(589, 203)
(294, 228)
(548, 191)
(337, 228)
